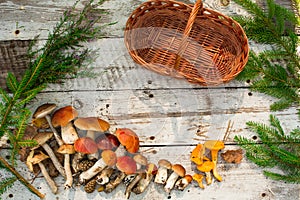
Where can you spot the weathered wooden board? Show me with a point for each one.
(244, 182)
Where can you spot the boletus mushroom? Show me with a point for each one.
(162, 172)
(178, 171)
(182, 183)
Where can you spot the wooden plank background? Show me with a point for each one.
(171, 116)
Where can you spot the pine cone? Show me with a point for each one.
(90, 186)
(85, 165)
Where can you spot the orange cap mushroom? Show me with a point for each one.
(63, 116)
(128, 139)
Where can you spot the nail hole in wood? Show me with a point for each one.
(250, 94)
(151, 95)
(169, 197)
(7, 157)
(10, 195)
(263, 194)
(107, 105)
(248, 81)
(254, 137)
(152, 137)
(17, 32)
(149, 82)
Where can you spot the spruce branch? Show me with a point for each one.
(277, 149)
(62, 57)
(275, 71)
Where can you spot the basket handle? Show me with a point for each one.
(198, 6)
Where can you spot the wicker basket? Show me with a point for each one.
(185, 41)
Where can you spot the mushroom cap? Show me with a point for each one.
(44, 110)
(85, 145)
(41, 123)
(42, 138)
(66, 149)
(107, 141)
(151, 168)
(140, 159)
(28, 161)
(188, 177)
(109, 157)
(207, 166)
(179, 169)
(63, 116)
(128, 139)
(126, 164)
(165, 163)
(38, 158)
(92, 124)
(214, 145)
(197, 154)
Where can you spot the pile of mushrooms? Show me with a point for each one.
(85, 152)
(205, 165)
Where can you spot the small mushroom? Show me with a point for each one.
(162, 173)
(140, 161)
(126, 164)
(182, 183)
(83, 146)
(199, 179)
(214, 146)
(206, 167)
(41, 139)
(178, 171)
(108, 158)
(67, 149)
(143, 183)
(37, 159)
(92, 125)
(128, 139)
(69, 134)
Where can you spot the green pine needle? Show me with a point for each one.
(6, 183)
(277, 149)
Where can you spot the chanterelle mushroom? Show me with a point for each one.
(41, 139)
(37, 159)
(199, 178)
(162, 173)
(214, 146)
(197, 154)
(178, 171)
(206, 167)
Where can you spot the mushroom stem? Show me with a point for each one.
(69, 177)
(47, 177)
(143, 183)
(75, 161)
(182, 183)
(161, 176)
(54, 159)
(114, 182)
(104, 176)
(55, 133)
(136, 179)
(171, 182)
(95, 169)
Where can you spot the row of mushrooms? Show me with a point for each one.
(84, 152)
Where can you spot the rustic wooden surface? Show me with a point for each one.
(171, 116)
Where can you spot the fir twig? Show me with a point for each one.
(274, 72)
(62, 57)
(276, 150)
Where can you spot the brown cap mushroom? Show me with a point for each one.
(109, 157)
(178, 171)
(92, 123)
(126, 164)
(44, 110)
(37, 159)
(182, 183)
(162, 173)
(63, 116)
(66, 149)
(214, 146)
